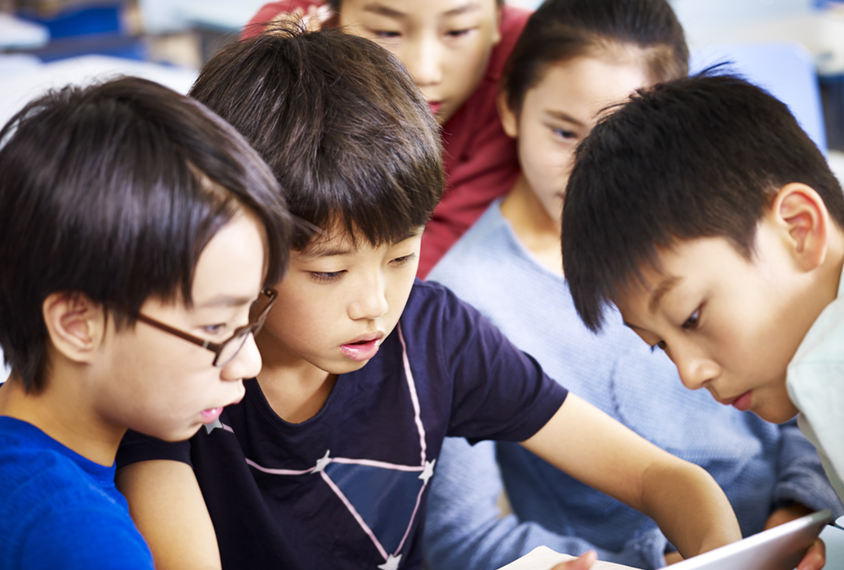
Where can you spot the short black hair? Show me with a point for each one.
(698, 157)
(349, 136)
(113, 191)
(561, 30)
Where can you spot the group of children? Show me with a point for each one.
(279, 217)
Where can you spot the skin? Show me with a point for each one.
(445, 44)
(556, 114)
(338, 292)
(731, 324)
(102, 380)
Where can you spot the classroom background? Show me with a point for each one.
(794, 48)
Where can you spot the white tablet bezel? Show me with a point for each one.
(778, 548)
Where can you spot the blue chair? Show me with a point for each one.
(784, 69)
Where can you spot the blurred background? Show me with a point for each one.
(793, 48)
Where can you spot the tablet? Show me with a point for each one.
(778, 548)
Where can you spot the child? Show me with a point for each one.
(575, 58)
(326, 462)
(455, 50)
(130, 215)
(728, 254)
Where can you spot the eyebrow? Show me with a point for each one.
(384, 10)
(318, 251)
(561, 116)
(664, 287)
(226, 301)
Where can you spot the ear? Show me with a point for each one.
(803, 214)
(75, 325)
(509, 120)
(496, 32)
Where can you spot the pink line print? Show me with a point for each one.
(354, 512)
(278, 471)
(381, 464)
(227, 428)
(412, 518)
(417, 416)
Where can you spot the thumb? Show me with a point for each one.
(583, 562)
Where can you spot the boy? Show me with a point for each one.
(574, 58)
(455, 50)
(705, 213)
(129, 215)
(326, 463)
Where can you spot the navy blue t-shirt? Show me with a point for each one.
(348, 487)
(59, 509)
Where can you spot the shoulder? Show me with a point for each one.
(477, 251)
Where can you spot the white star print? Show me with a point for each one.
(428, 472)
(216, 424)
(392, 563)
(321, 464)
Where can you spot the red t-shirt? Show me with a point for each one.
(480, 160)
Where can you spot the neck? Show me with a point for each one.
(62, 411)
(533, 226)
(295, 389)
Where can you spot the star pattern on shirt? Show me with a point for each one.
(216, 424)
(321, 464)
(392, 563)
(428, 472)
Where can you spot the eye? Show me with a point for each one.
(214, 330)
(326, 277)
(660, 346)
(458, 33)
(384, 34)
(564, 134)
(403, 260)
(692, 321)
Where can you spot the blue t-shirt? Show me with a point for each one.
(348, 487)
(60, 510)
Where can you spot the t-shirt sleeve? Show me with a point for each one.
(499, 392)
(138, 447)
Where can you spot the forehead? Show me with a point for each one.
(339, 241)
(589, 83)
(417, 10)
(231, 268)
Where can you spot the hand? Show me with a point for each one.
(815, 557)
(585, 561)
(311, 21)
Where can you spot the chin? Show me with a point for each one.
(777, 415)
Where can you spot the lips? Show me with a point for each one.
(435, 106)
(363, 348)
(741, 403)
(210, 415)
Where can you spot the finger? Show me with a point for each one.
(583, 562)
(815, 557)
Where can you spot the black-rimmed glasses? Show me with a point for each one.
(225, 351)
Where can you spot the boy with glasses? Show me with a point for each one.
(129, 215)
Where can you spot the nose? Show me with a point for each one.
(423, 59)
(695, 369)
(370, 300)
(246, 363)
